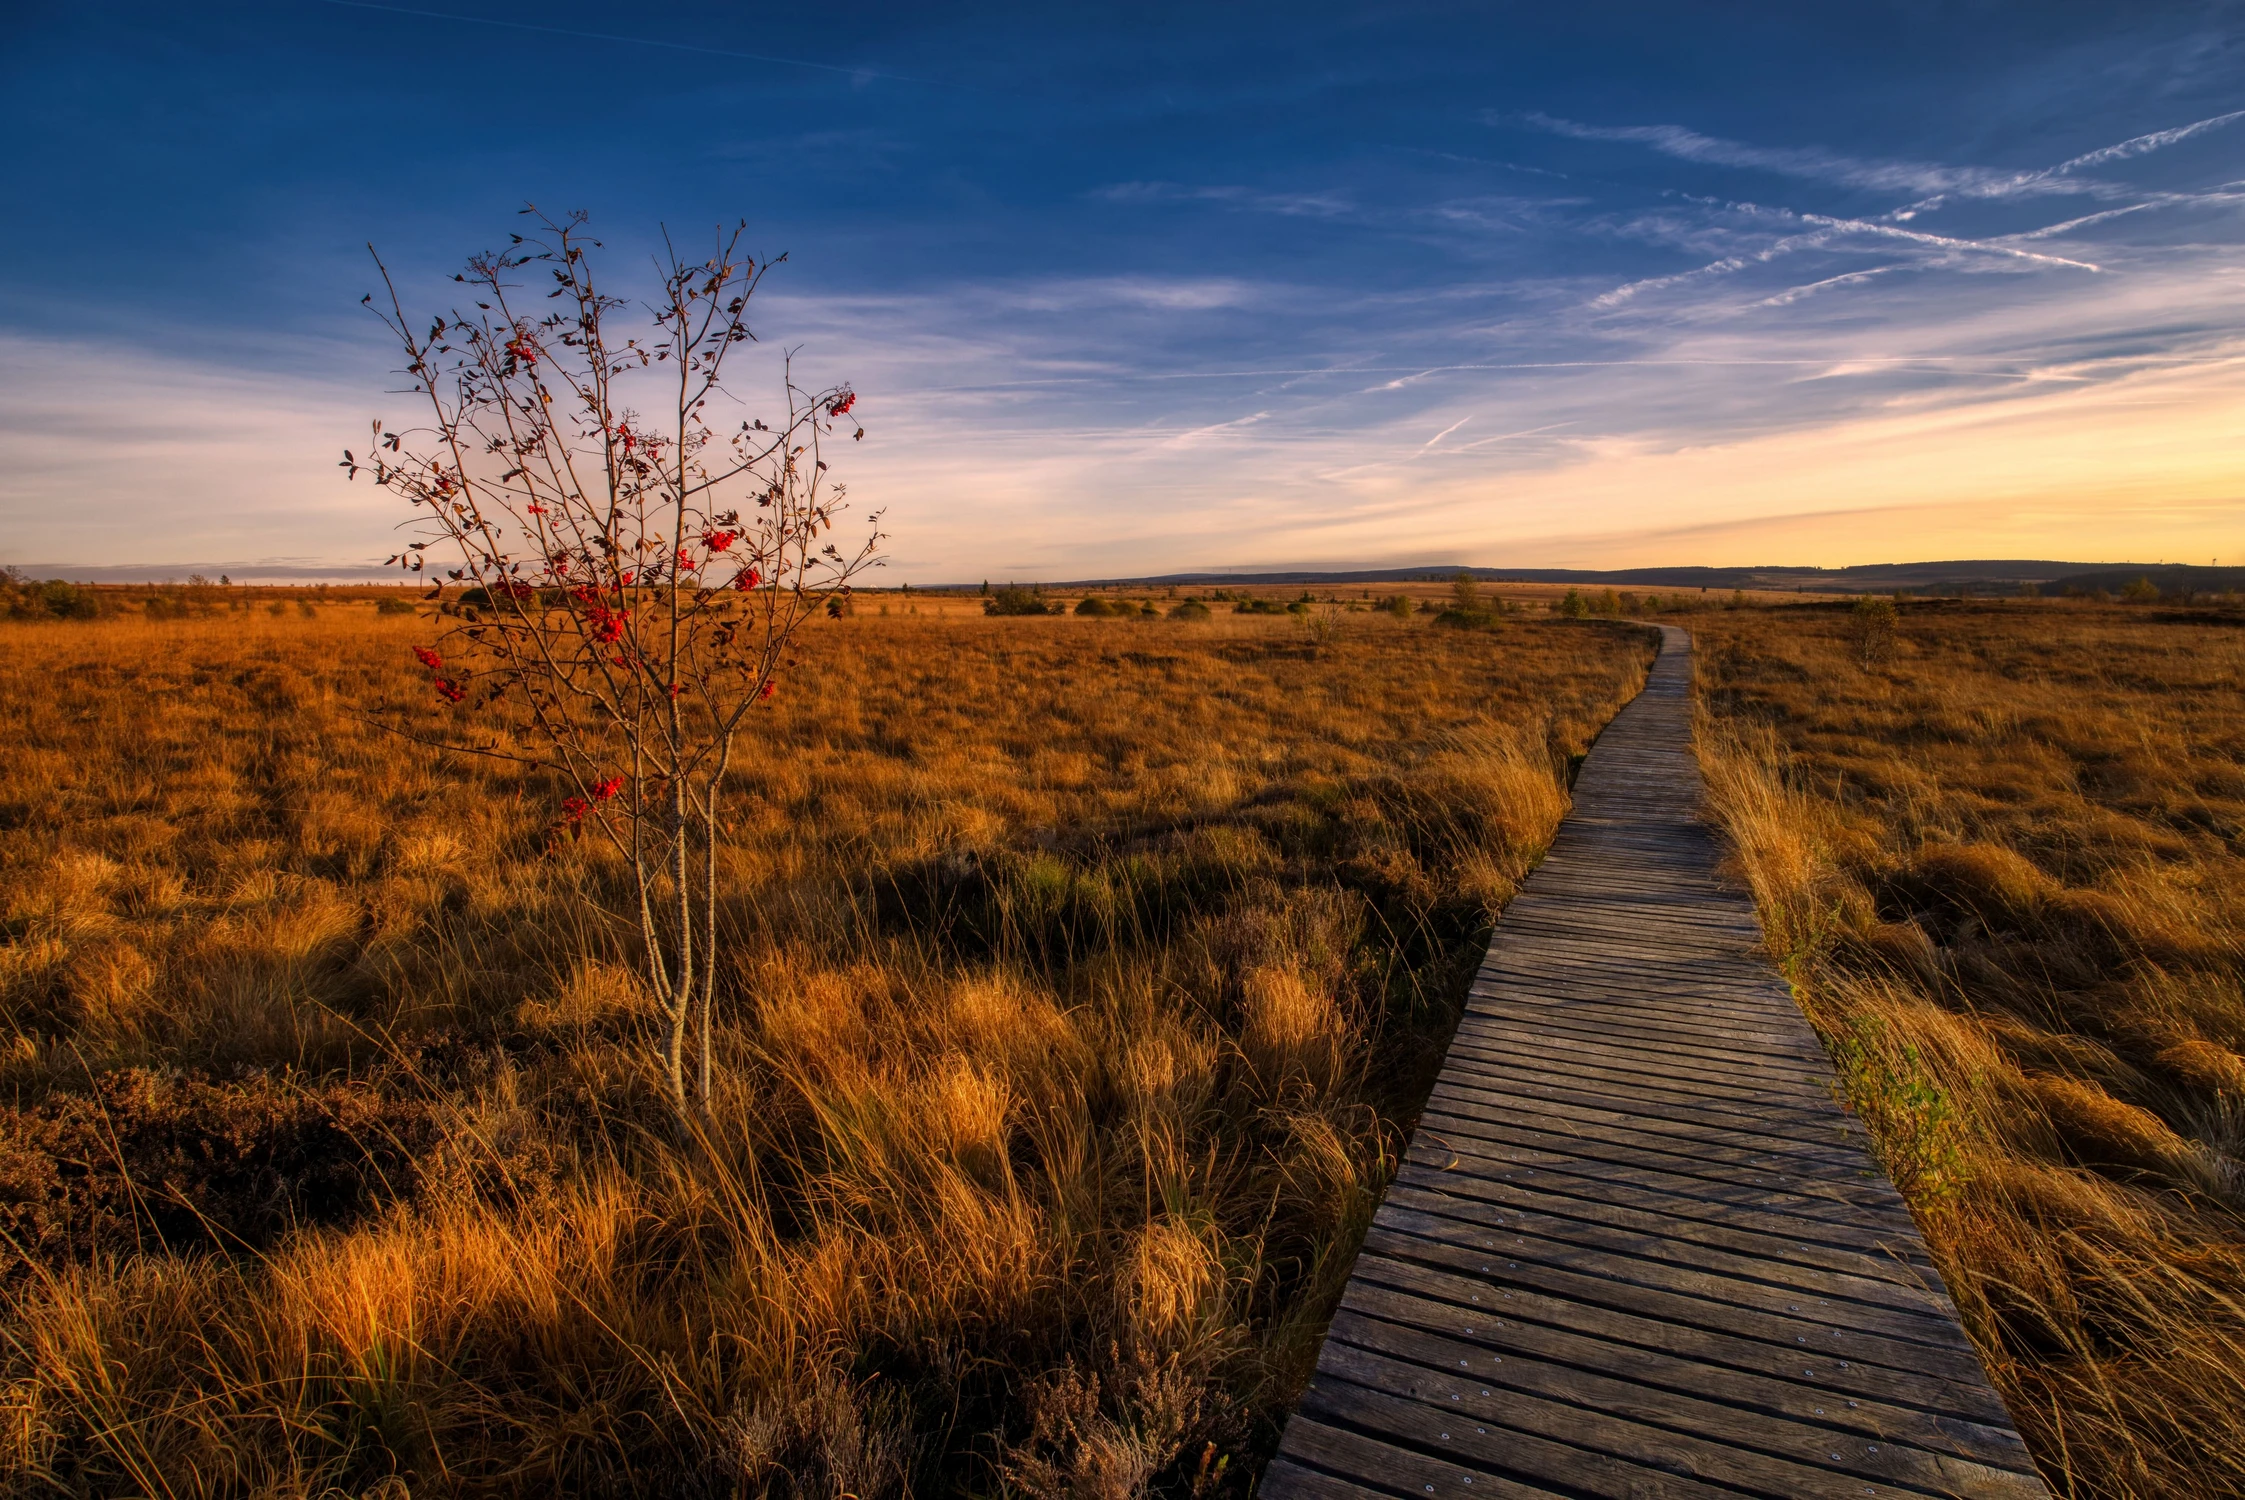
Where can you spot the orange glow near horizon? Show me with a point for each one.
(2145, 469)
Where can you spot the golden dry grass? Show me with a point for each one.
(1081, 977)
(2007, 873)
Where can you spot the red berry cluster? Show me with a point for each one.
(450, 689)
(575, 809)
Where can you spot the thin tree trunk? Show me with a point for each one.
(709, 947)
(710, 812)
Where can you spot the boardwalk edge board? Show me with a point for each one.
(1635, 1246)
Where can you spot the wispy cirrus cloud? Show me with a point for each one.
(1293, 205)
(1789, 161)
(1630, 290)
(1793, 294)
(1827, 232)
(1932, 182)
(1992, 247)
(1218, 430)
(1436, 440)
(2150, 141)
(2065, 175)
(1165, 294)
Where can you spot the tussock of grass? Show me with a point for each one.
(1078, 988)
(2006, 870)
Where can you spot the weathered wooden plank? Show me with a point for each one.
(1595, 982)
(1635, 1045)
(1647, 1413)
(1516, 1109)
(1712, 1076)
(1811, 1139)
(1535, 978)
(1959, 1422)
(1780, 1261)
(1613, 1009)
(1748, 1308)
(1688, 1032)
(1634, 1246)
(1590, 973)
(1509, 1045)
(1374, 1467)
(1496, 1178)
(1297, 1480)
(1581, 1165)
(1478, 1451)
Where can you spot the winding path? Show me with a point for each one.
(1635, 1247)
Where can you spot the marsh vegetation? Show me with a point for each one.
(1079, 979)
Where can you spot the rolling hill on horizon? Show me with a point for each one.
(1996, 575)
(1979, 576)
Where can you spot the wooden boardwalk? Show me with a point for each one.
(1635, 1248)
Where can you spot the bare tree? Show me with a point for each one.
(627, 584)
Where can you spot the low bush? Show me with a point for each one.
(1014, 600)
(1873, 627)
(53, 599)
(1468, 610)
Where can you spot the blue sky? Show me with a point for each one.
(1143, 288)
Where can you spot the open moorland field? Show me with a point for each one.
(1080, 979)
(2006, 870)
